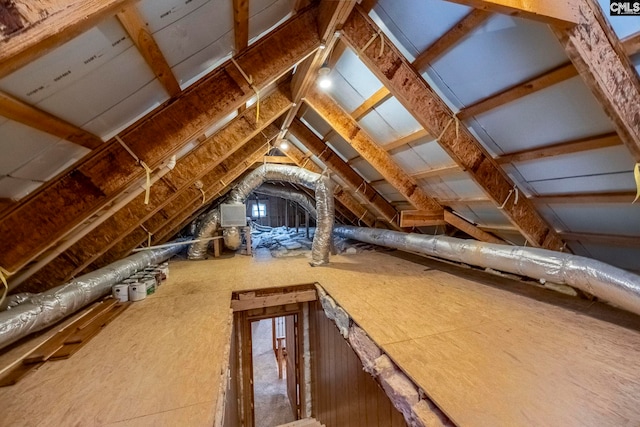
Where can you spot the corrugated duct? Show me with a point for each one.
(300, 197)
(44, 309)
(609, 283)
(321, 184)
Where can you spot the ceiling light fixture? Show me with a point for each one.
(283, 145)
(323, 77)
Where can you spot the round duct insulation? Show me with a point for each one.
(609, 283)
(321, 184)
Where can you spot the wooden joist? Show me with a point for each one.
(249, 301)
(241, 24)
(631, 44)
(471, 229)
(408, 86)
(413, 218)
(154, 139)
(399, 143)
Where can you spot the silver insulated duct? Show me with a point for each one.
(605, 281)
(300, 197)
(321, 184)
(44, 309)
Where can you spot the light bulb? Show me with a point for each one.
(284, 145)
(324, 81)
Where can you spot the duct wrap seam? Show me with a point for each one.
(325, 213)
(609, 283)
(46, 308)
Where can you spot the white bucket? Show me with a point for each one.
(149, 282)
(137, 291)
(164, 267)
(121, 292)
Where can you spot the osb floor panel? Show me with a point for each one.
(489, 351)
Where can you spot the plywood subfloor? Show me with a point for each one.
(487, 350)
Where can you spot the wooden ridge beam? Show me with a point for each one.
(241, 24)
(349, 129)
(344, 171)
(563, 148)
(408, 86)
(304, 161)
(543, 81)
(605, 67)
(138, 30)
(559, 13)
(631, 44)
(586, 198)
(31, 116)
(155, 138)
(601, 239)
(471, 21)
(51, 24)
(173, 186)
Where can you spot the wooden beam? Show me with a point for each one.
(586, 198)
(276, 159)
(344, 171)
(470, 229)
(368, 105)
(53, 24)
(408, 86)
(31, 116)
(437, 172)
(138, 30)
(154, 139)
(563, 148)
(241, 24)
(399, 143)
(449, 39)
(304, 161)
(597, 54)
(631, 44)
(602, 239)
(350, 130)
(273, 300)
(543, 81)
(560, 13)
(413, 218)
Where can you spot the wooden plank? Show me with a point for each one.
(408, 86)
(140, 34)
(437, 172)
(241, 24)
(543, 81)
(53, 24)
(473, 20)
(470, 229)
(413, 218)
(277, 159)
(342, 169)
(631, 43)
(603, 64)
(31, 116)
(351, 131)
(274, 300)
(563, 148)
(399, 143)
(586, 198)
(368, 105)
(560, 13)
(154, 139)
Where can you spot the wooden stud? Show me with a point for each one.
(241, 24)
(560, 13)
(53, 23)
(606, 69)
(31, 116)
(138, 30)
(408, 86)
(550, 78)
(564, 148)
(449, 39)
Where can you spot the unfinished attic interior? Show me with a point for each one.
(241, 213)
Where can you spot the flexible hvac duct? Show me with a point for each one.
(322, 185)
(605, 281)
(300, 197)
(46, 308)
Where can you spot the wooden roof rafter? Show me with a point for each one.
(408, 86)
